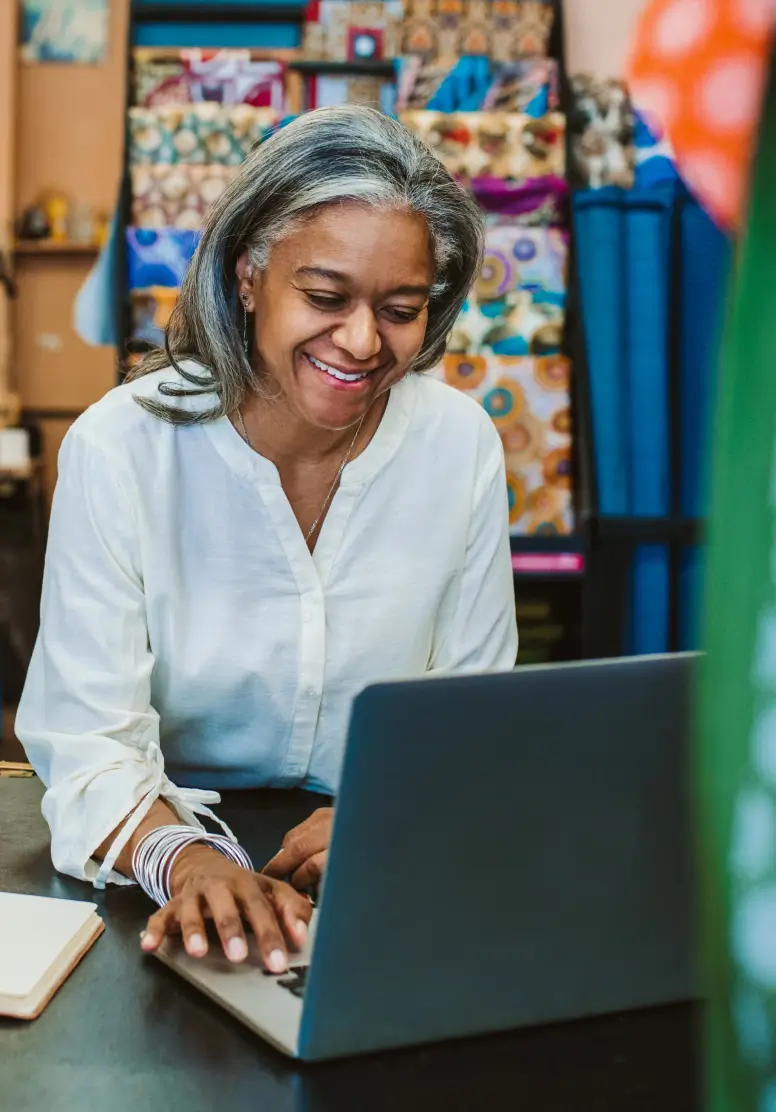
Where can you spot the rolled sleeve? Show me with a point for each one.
(85, 717)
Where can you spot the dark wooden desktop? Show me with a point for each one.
(125, 1034)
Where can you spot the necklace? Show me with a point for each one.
(337, 477)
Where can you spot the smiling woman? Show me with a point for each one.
(276, 511)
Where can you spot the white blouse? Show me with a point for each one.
(188, 636)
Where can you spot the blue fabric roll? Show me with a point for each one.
(647, 273)
(706, 260)
(598, 230)
(650, 600)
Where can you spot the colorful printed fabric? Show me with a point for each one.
(493, 144)
(160, 257)
(529, 401)
(473, 83)
(220, 76)
(504, 30)
(197, 133)
(699, 69)
(601, 126)
(176, 196)
(151, 310)
(537, 202)
(338, 31)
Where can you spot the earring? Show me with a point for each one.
(245, 331)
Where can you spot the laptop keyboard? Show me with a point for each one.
(294, 979)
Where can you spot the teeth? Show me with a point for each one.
(334, 372)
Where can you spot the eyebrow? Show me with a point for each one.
(337, 276)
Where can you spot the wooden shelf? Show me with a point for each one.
(24, 247)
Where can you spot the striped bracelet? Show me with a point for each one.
(156, 853)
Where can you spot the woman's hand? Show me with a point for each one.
(205, 884)
(305, 851)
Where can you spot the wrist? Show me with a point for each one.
(193, 857)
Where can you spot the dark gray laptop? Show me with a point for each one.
(508, 850)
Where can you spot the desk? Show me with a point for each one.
(125, 1034)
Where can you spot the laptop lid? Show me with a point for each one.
(507, 850)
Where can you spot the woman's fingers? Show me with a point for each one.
(293, 911)
(193, 926)
(160, 924)
(227, 919)
(309, 875)
(259, 909)
(300, 844)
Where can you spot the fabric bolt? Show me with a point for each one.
(504, 145)
(198, 133)
(601, 127)
(190, 641)
(219, 76)
(505, 30)
(151, 311)
(158, 257)
(329, 35)
(471, 84)
(176, 196)
(698, 68)
(540, 202)
(529, 402)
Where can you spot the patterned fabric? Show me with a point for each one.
(536, 202)
(529, 401)
(331, 35)
(518, 302)
(176, 196)
(602, 126)
(698, 68)
(197, 133)
(504, 30)
(470, 84)
(160, 257)
(221, 76)
(493, 144)
(151, 309)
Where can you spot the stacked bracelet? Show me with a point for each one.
(157, 852)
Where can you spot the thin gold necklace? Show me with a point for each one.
(337, 477)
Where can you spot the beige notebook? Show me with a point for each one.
(41, 942)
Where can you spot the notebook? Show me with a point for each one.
(41, 942)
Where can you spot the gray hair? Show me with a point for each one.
(330, 156)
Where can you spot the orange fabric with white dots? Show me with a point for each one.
(699, 68)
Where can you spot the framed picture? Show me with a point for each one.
(69, 31)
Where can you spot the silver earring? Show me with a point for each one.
(245, 331)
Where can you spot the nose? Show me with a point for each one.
(358, 334)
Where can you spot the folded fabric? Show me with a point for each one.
(374, 92)
(160, 257)
(503, 145)
(151, 310)
(601, 129)
(197, 133)
(519, 258)
(176, 196)
(221, 76)
(504, 30)
(536, 201)
(529, 401)
(472, 83)
(344, 31)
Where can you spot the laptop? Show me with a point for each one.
(508, 850)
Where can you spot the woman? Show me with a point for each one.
(274, 513)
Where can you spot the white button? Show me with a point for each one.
(312, 693)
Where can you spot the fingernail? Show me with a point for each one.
(236, 949)
(147, 940)
(277, 961)
(301, 930)
(196, 944)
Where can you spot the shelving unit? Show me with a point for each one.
(38, 247)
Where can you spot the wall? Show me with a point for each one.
(69, 137)
(599, 34)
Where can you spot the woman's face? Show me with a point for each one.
(341, 309)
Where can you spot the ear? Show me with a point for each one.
(244, 271)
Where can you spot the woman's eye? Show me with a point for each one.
(326, 301)
(403, 316)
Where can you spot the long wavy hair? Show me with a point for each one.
(330, 156)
